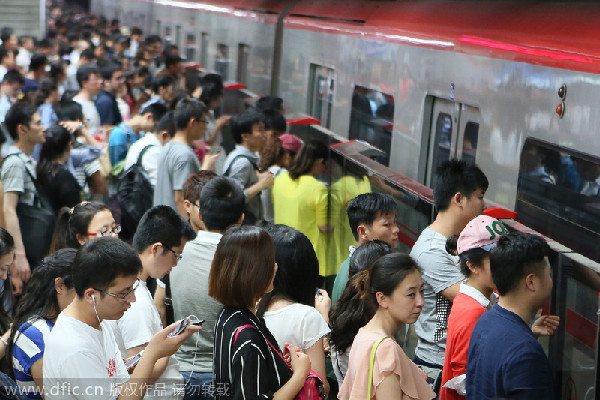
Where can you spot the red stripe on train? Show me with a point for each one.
(581, 328)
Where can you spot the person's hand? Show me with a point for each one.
(210, 160)
(17, 284)
(22, 269)
(222, 121)
(71, 126)
(323, 302)
(545, 325)
(299, 361)
(265, 179)
(161, 345)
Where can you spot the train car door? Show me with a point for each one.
(453, 134)
(320, 90)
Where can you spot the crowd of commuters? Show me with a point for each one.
(232, 253)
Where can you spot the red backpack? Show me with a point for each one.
(313, 385)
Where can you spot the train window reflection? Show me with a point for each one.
(204, 49)
(558, 194)
(190, 47)
(372, 119)
(242, 67)
(320, 100)
(222, 60)
(470, 137)
(442, 142)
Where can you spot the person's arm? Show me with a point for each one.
(451, 291)
(265, 180)
(3, 342)
(316, 354)
(221, 121)
(300, 368)
(178, 195)
(20, 270)
(440, 271)
(97, 183)
(37, 373)
(159, 367)
(389, 388)
(159, 302)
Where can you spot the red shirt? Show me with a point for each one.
(464, 315)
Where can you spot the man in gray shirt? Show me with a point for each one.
(458, 195)
(248, 130)
(221, 205)
(177, 160)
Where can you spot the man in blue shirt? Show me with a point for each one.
(106, 100)
(505, 360)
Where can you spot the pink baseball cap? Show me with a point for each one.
(290, 142)
(482, 232)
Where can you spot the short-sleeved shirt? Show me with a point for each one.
(121, 137)
(439, 270)
(302, 204)
(77, 357)
(28, 348)
(90, 113)
(136, 327)
(15, 176)
(189, 290)
(175, 163)
(297, 324)
(389, 359)
(240, 165)
(341, 279)
(150, 158)
(108, 108)
(506, 361)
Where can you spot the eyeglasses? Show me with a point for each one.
(122, 297)
(115, 229)
(179, 256)
(196, 204)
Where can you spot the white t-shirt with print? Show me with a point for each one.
(81, 362)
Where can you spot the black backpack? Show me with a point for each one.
(135, 196)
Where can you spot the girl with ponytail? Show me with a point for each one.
(394, 286)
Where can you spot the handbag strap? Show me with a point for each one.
(371, 362)
(144, 150)
(241, 328)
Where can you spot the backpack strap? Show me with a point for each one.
(144, 150)
(226, 173)
(37, 195)
(371, 362)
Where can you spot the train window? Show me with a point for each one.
(168, 38)
(242, 67)
(158, 27)
(320, 99)
(222, 60)
(372, 119)
(558, 195)
(190, 47)
(178, 36)
(204, 49)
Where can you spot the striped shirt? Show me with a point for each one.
(28, 348)
(247, 367)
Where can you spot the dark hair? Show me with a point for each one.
(109, 70)
(366, 254)
(171, 59)
(5, 33)
(210, 92)
(150, 39)
(309, 153)
(37, 60)
(71, 223)
(221, 203)
(275, 121)
(195, 182)
(212, 78)
(69, 110)
(100, 261)
(40, 299)
(158, 110)
(475, 256)
(167, 124)
(161, 224)
(186, 110)
(269, 103)
(136, 30)
(516, 255)
(19, 114)
(88, 54)
(365, 208)
(243, 123)
(456, 176)
(84, 72)
(45, 89)
(161, 81)
(297, 274)
(243, 267)
(13, 76)
(7, 245)
(58, 140)
(272, 152)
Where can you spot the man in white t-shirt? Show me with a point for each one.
(159, 241)
(90, 81)
(82, 359)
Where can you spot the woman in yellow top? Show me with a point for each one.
(301, 202)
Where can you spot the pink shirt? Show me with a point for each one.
(389, 359)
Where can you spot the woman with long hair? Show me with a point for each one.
(82, 223)
(56, 181)
(49, 291)
(7, 260)
(301, 201)
(392, 285)
(247, 359)
(295, 311)
(45, 99)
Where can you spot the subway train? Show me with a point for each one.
(509, 85)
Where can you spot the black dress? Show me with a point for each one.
(247, 367)
(61, 189)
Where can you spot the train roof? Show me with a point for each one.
(559, 35)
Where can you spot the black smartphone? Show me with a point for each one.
(180, 327)
(198, 323)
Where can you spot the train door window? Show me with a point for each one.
(453, 134)
(242, 67)
(168, 32)
(222, 60)
(190, 47)
(320, 99)
(178, 36)
(204, 49)
(158, 27)
(372, 119)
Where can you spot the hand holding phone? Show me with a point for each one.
(180, 327)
